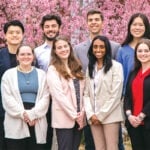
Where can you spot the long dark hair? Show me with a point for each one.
(137, 62)
(107, 61)
(129, 36)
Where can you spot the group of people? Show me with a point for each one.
(75, 90)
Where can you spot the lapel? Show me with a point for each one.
(99, 86)
(101, 79)
(15, 84)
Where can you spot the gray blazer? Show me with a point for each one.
(81, 51)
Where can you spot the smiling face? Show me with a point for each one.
(51, 29)
(99, 49)
(14, 35)
(95, 23)
(62, 49)
(143, 53)
(137, 28)
(25, 56)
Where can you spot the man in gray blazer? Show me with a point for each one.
(95, 23)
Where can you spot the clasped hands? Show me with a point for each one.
(80, 119)
(94, 120)
(135, 121)
(27, 119)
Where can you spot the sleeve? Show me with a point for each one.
(42, 101)
(57, 93)
(75, 50)
(119, 56)
(127, 99)
(115, 93)
(146, 107)
(11, 104)
(87, 99)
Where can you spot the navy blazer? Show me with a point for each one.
(128, 101)
(4, 65)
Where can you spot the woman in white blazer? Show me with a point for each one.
(66, 84)
(25, 99)
(102, 96)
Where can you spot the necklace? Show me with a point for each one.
(26, 75)
(27, 82)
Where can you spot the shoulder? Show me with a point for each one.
(82, 44)
(124, 47)
(40, 71)
(10, 72)
(41, 47)
(3, 50)
(114, 44)
(52, 70)
(52, 67)
(116, 64)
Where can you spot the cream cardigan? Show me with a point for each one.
(14, 126)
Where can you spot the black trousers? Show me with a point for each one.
(24, 144)
(140, 138)
(69, 139)
(2, 139)
(88, 137)
(28, 143)
(49, 139)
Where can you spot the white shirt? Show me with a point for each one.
(97, 75)
(43, 56)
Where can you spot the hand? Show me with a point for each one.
(134, 121)
(141, 116)
(32, 123)
(80, 119)
(26, 117)
(94, 120)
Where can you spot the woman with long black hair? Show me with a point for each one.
(102, 96)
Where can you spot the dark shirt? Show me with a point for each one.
(13, 61)
(7, 61)
(77, 90)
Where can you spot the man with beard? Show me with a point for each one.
(50, 25)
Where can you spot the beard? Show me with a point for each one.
(51, 38)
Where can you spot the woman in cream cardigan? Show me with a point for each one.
(25, 100)
(102, 96)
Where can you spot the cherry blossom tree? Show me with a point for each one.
(73, 14)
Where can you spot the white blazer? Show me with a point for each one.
(107, 97)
